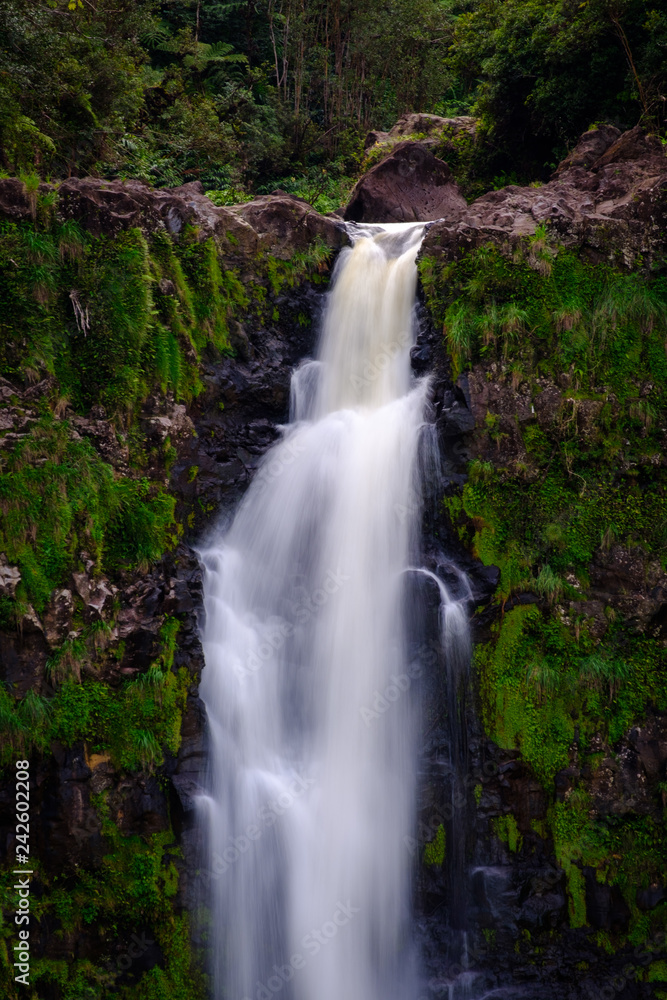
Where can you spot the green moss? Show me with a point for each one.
(57, 497)
(112, 317)
(538, 681)
(132, 890)
(434, 852)
(505, 829)
(516, 712)
(544, 305)
(657, 972)
(135, 723)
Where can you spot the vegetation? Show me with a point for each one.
(555, 489)
(246, 97)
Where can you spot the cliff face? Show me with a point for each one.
(146, 344)
(552, 301)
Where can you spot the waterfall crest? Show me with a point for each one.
(307, 688)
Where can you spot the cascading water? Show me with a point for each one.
(310, 702)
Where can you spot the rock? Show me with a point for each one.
(608, 198)
(373, 137)
(433, 126)
(620, 570)
(97, 596)
(593, 612)
(590, 148)
(166, 420)
(648, 899)
(285, 223)
(605, 907)
(409, 185)
(58, 617)
(10, 577)
(104, 438)
(279, 225)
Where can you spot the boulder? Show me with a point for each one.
(608, 198)
(409, 185)
(285, 223)
(433, 127)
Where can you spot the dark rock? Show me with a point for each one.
(23, 656)
(648, 899)
(605, 907)
(409, 185)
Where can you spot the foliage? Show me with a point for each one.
(505, 829)
(134, 724)
(434, 852)
(101, 313)
(58, 497)
(549, 69)
(552, 676)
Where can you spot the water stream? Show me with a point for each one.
(313, 710)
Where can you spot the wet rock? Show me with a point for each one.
(409, 185)
(190, 766)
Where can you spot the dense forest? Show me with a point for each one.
(248, 96)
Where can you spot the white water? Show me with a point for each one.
(310, 707)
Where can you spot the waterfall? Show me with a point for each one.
(307, 685)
